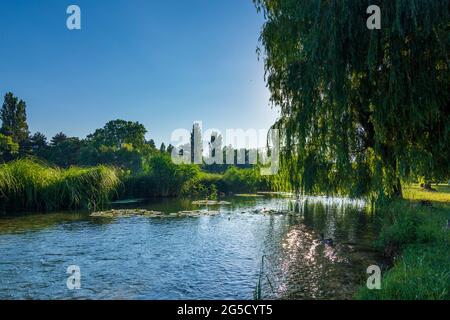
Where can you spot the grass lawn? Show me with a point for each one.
(416, 193)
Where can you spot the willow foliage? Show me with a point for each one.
(361, 110)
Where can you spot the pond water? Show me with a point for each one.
(210, 257)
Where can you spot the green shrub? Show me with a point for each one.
(242, 180)
(399, 227)
(405, 223)
(204, 184)
(161, 178)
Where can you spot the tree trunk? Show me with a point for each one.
(398, 192)
(390, 162)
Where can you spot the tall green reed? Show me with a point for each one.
(29, 184)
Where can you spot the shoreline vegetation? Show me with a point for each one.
(32, 185)
(415, 239)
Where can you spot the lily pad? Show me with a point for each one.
(124, 213)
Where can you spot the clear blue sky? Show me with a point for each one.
(164, 63)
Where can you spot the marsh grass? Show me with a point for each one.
(29, 184)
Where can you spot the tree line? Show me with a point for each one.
(114, 162)
(120, 143)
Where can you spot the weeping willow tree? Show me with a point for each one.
(361, 110)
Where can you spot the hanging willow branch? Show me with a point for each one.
(361, 109)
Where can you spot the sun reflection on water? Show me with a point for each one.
(307, 266)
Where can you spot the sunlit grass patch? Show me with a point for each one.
(416, 193)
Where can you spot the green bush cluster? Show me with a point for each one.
(162, 178)
(244, 180)
(406, 222)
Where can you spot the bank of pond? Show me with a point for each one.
(317, 245)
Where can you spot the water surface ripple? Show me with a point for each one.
(214, 257)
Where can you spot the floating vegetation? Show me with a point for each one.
(126, 213)
(122, 213)
(195, 213)
(210, 202)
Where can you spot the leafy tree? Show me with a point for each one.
(89, 155)
(14, 119)
(161, 177)
(8, 148)
(152, 144)
(147, 151)
(58, 139)
(118, 132)
(170, 149)
(126, 157)
(64, 151)
(361, 110)
(39, 139)
(119, 143)
(38, 144)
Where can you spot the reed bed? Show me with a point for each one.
(29, 184)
